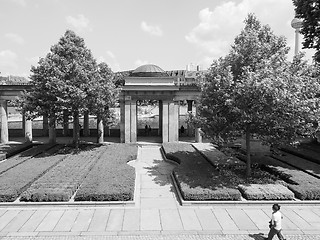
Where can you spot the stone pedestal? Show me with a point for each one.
(28, 131)
(100, 131)
(4, 121)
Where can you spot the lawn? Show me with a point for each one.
(57, 173)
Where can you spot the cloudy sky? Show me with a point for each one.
(128, 33)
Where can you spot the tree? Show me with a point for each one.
(309, 12)
(254, 90)
(105, 95)
(63, 81)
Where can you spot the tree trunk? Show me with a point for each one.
(86, 132)
(65, 123)
(76, 128)
(248, 172)
(100, 130)
(52, 130)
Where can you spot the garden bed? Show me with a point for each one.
(111, 179)
(196, 178)
(199, 180)
(304, 185)
(61, 182)
(17, 179)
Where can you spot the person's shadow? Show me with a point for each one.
(257, 236)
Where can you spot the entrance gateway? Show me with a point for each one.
(151, 82)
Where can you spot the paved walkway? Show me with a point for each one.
(156, 215)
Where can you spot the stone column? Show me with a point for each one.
(160, 117)
(86, 132)
(133, 121)
(28, 131)
(173, 121)
(127, 121)
(4, 121)
(65, 123)
(122, 121)
(165, 121)
(45, 125)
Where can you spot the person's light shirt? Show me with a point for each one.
(276, 220)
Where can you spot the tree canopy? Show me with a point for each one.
(309, 12)
(68, 80)
(255, 90)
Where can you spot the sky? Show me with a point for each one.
(129, 33)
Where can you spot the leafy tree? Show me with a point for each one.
(64, 81)
(309, 12)
(104, 97)
(254, 90)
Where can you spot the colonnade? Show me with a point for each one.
(27, 125)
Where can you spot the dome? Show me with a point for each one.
(149, 70)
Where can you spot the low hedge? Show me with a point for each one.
(306, 192)
(111, 179)
(14, 181)
(61, 182)
(196, 177)
(266, 192)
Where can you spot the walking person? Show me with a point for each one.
(275, 223)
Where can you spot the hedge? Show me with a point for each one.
(197, 179)
(14, 181)
(266, 192)
(306, 192)
(21, 157)
(61, 182)
(111, 179)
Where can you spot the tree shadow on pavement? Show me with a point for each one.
(257, 236)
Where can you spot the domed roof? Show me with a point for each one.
(149, 70)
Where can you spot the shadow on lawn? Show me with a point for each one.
(47, 150)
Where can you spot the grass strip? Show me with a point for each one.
(61, 182)
(22, 157)
(300, 163)
(307, 151)
(14, 181)
(111, 179)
